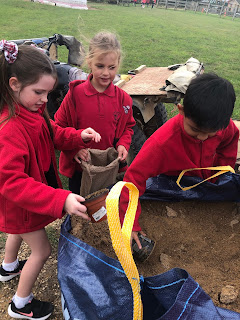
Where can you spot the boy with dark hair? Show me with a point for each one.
(201, 135)
(209, 102)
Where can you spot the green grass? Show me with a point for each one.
(64, 179)
(155, 37)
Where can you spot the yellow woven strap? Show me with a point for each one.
(121, 238)
(222, 169)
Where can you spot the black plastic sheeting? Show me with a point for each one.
(95, 287)
(165, 188)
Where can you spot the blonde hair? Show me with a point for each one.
(102, 43)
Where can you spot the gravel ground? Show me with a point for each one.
(46, 287)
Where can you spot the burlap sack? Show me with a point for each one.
(100, 171)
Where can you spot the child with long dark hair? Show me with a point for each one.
(31, 194)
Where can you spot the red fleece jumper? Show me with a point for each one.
(109, 113)
(27, 203)
(170, 150)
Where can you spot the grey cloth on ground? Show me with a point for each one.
(77, 74)
(181, 77)
(100, 171)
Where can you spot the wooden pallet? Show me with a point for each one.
(147, 81)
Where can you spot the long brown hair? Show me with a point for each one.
(30, 65)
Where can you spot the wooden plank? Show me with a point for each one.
(148, 82)
(140, 69)
(120, 83)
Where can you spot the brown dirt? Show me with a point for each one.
(96, 194)
(202, 238)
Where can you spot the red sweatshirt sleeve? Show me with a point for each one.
(226, 153)
(66, 114)
(68, 139)
(17, 186)
(61, 117)
(149, 162)
(65, 117)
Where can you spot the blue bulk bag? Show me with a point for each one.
(93, 286)
(97, 287)
(164, 188)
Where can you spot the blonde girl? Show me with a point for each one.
(98, 104)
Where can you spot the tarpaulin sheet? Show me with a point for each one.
(95, 287)
(164, 188)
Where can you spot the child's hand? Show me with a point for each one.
(82, 154)
(135, 237)
(122, 153)
(73, 206)
(90, 134)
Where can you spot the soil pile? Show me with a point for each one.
(202, 238)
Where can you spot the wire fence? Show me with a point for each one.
(206, 7)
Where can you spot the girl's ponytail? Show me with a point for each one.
(47, 119)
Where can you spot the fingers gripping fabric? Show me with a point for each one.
(121, 238)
